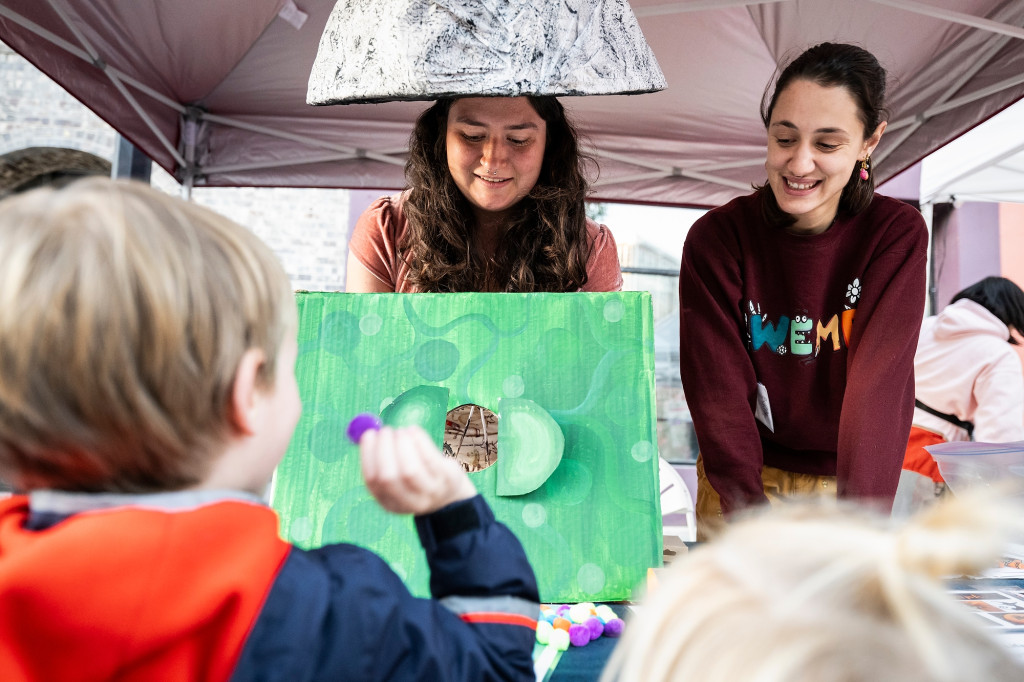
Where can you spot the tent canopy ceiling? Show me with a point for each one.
(214, 91)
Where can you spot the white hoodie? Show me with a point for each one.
(965, 367)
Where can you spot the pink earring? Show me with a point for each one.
(864, 168)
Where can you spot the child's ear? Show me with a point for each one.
(245, 392)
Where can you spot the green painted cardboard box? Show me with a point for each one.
(592, 529)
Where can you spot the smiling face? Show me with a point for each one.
(495, 151)
(815, 140)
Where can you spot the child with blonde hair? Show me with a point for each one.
(147, 392)
(825, 593)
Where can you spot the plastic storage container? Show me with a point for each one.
(966, 465)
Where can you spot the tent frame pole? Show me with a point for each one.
(954, 16)
(115, 80)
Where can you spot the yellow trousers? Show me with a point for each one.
(778, 485)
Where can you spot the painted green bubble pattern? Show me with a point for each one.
(592, 529)
(436, 360)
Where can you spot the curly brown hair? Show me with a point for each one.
(545, 246)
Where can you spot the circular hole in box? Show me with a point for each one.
(471, 437)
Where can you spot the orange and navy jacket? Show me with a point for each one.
(199, 586)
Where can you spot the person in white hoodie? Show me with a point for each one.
(969, 381)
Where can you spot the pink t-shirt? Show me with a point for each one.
(382, 226)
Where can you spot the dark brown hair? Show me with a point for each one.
(545, 245)
(833, 65)
(1001, 297)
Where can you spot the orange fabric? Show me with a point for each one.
(501, 618)
(917, 458)
(133, 593)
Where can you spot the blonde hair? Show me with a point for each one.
(124, 314)
(816, 593)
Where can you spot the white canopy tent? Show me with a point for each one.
(214, 90)
(984, 164)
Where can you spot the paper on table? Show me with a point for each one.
(1011, 565)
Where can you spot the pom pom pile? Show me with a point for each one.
(576, 624)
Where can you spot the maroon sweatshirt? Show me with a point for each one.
(827, 324)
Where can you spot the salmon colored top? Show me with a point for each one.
(382, 226)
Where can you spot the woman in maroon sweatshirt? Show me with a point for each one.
(800, 304)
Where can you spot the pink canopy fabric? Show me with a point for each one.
(214, 90)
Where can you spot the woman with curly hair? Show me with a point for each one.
(495, 203)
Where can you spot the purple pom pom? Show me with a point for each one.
(562, 609)
(360, 424)
(613, 628)
(595, 626)
(579, 635)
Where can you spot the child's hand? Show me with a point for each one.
(407, 474)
